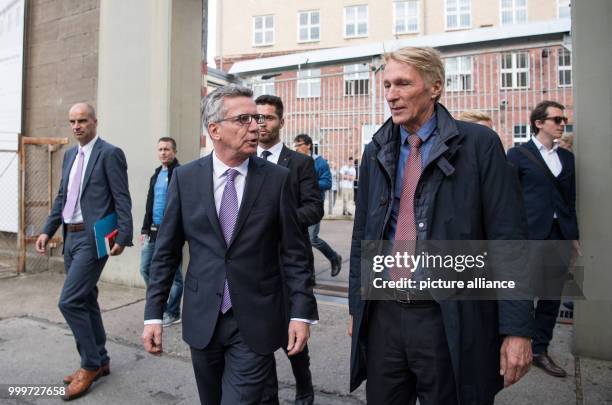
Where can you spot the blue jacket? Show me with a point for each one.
(323, 174)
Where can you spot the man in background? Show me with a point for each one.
(304, 184)
(303, 144)
(94, 184)
(154, 213)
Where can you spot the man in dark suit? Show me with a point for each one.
(548, 180)
(303, 180)
(237, 213)
(94, 184)
(426, 176)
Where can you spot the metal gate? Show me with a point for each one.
(38, 186)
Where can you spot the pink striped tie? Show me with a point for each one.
(405, 229)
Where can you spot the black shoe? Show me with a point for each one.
(547, 364)
(305, 400)
(336, 266)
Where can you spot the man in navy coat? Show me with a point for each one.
(443, 352)
(548, 181)
(94, 184)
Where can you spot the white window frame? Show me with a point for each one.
(514, 11)
(564, 68)
(459, 74)
(309, 26)
(514, 70)
(353, 74)
(356, 21)
(406, 18)
(564, 4)
(522, 137)
(458, 14)
(263, 30)
(308, 77)
(265, 86)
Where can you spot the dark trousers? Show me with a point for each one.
(300, 366)
(79, 299)
(319, 243)
(227, 371)
(408, 356)
(553, 258)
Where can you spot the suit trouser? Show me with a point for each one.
(79, 299)
(227, 371)
(300, 366)
(554, 273)
(408, 355)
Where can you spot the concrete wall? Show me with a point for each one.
(237, 28)
(61, 63)
(591, 33)
(149, 87)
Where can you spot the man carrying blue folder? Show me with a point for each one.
(94, 184)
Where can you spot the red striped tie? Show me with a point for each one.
(405, 229)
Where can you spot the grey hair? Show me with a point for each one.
(214, 106)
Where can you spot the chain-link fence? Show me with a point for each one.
(9, 212)
(40, 174)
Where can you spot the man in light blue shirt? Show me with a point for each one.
(154, 214)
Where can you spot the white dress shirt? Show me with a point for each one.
(219, 179)
(275, 152)
(77, 218)
(551, 157)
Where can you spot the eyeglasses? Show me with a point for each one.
(245, 119)
(297, 145)
(558, 120)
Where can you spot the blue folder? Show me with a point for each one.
(102, 228)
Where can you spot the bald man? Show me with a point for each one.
(94, 184)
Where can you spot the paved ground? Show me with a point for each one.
(36, 347)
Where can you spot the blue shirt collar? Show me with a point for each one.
(424, 132)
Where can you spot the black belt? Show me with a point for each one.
(409, 297)
(75, 227)
(153, 232)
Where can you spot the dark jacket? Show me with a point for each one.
(265, 254)
(466, 192)
(541, 197)
(148, 217)
(303, 181)
(104, 190)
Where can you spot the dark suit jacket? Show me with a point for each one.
(541, 197)
(305, 187)
(266, 241)
(104, 190)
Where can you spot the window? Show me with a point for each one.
(263, 87)
(458, 14)
(406, 16)
(565, 68)
(520, 134)
(515, 70)
(309, 83)
(309, 26)
(459, 73)
(513, 11)
(563, 9)
(355, 21)
(263, 30)
(356, 80)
